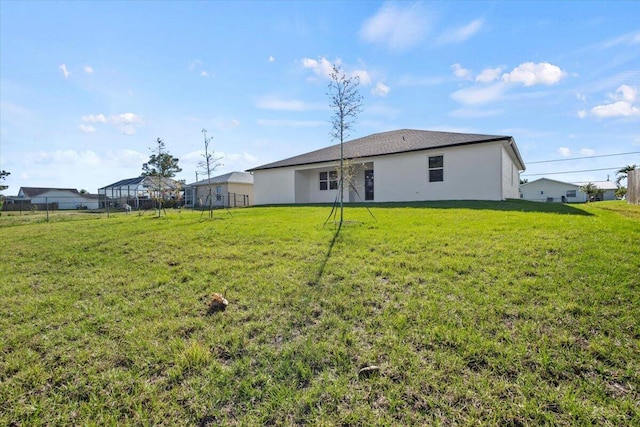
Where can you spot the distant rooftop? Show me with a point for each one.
(231, 177)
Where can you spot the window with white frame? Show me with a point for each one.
(571, 193)
(329, 180)
(436, 168)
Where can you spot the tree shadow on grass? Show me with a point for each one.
(320, 272)
(512, 205)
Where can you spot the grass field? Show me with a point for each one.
(502, 313)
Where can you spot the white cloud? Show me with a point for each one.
(227, 124)
(381, 89)
(587, 152)
(126, 118)
(460, 72)
(460, 34)
(88, 69)
(272, 59)
(126, 122)
(396, 27)
(564, 151)
(580, 96)
(196, 66)
(479, 95)
(363, 76)
(64, 70)
(244, 156)
(128, 130)
(492, 88)
(626, 93)
(86, 129)
(623, 99)
(322, 67)
(617, 109)
(489, 75)
(629, 39)
(532, 74)
(100, 118)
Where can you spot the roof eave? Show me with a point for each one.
(457, 144)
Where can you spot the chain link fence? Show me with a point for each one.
(102, 204)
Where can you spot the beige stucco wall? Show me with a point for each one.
(510, 176)
(202, 191)
(471, 172)
(274, 186)
(238, 188)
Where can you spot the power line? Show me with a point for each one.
(585, 170)
(581, 158)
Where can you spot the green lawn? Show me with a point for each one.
(495, 313)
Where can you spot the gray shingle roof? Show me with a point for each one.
(231, 177)
(36, 191)
(145, 181)
(392, 142)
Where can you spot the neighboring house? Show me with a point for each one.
(230, 190)
(550, 190)
(64, 198)
(606, 189)
(408, 165)
(137, 191)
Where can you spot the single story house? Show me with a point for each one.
(606, 189)
(551, 190)
(63, 198)
(408, 165)
(140, 190)
(232, 189)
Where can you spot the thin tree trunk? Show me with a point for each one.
(341, 181)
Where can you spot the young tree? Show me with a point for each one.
(346, 102)
(209, 164)
(3, 175)
(590, 190)
(161, 165)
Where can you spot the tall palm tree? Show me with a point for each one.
(623, 172)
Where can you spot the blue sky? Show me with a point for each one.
(87, 87)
